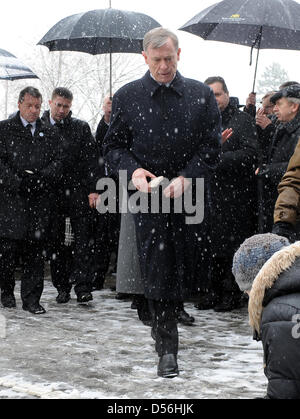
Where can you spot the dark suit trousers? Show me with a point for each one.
(32, 279)
(70, 265)
(164, 324)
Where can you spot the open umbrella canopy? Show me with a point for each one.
(261, 24)
(100, 31)
(241, 21)
(11, 68)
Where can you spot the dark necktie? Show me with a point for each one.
(28, 128)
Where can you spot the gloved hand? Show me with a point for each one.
(286, 230)
(31, 184)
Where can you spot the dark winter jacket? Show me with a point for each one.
(100, 135)
(80, 162)
(169, 131)
(281, 150)
(274, 312)
(25, 210)
(233, 187)
(287, 207)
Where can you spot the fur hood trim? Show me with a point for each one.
(278, 263)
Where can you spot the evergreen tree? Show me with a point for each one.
(273, 76)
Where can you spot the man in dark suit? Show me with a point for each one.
(106, 227)
(79, 180)
(30, 168)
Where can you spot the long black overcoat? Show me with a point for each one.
(26, 215)
(170, 131)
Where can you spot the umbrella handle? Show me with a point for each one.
(110, 74)
(255, 73)
(257, 42)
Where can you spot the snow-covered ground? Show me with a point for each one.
(102, 351)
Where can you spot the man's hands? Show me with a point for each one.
(174, 190)
(261, 119)
(226, 134)
(139, 179)
(177, 187)
(93, 199)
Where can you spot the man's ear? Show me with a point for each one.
(178, 54)
(145, 56)
(296, 107)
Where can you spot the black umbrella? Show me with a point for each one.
(11, 68)
(100, 32)
(261, 24)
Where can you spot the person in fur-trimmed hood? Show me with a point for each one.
(267, 267)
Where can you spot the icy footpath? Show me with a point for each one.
(102, 351)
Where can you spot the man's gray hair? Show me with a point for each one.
(32, 91)
(157, 37)
(293, 100)
(268, 94)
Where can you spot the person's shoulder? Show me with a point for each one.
(196, 84)
(128, 88)
(5, 122)
(10, 123)
(76, 124)
(78, 121)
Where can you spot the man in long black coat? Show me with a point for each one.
(163, 125)
(233, 194)
(30, 168)
(79, 180)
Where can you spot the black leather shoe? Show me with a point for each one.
(97, 286)
(63, 297)
(207, 301)
(122, 296)
(84, 297)
(184, 318)
(228, 303)
(167, 366)
(8, 300)
(34, 308)
(153, 334)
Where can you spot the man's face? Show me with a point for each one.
(222, 98)
(267, 106)
(60, 108)
(30, 108)
(107, 104)
(285, 110)
(162, 62)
